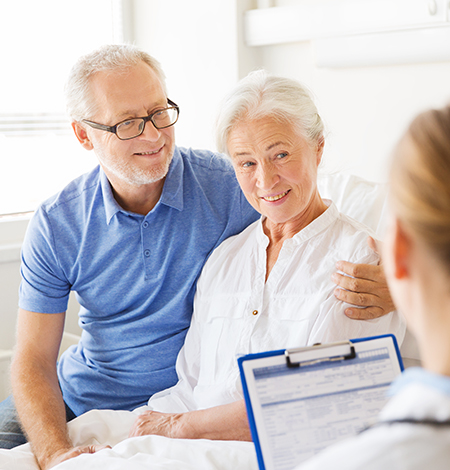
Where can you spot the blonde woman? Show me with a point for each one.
(413, 431)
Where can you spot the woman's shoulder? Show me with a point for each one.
(348, 238)
(235, 244)
(230, 260)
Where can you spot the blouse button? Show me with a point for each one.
(255, 312)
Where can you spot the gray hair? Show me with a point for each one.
(80, 103)
(261, 95)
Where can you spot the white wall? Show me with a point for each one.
(11, 235)
(199, 44)
(9, 282)
(365, 109)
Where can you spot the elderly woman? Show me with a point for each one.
(269, 287)
(413, 431)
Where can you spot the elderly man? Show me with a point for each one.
(130, 238)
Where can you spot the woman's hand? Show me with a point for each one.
(224, 422)
(161, 424)
(365, 286)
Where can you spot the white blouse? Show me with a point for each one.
(236, 312)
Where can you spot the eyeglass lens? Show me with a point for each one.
(134, 127)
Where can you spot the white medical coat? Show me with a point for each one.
(420, 395)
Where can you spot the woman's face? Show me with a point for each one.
(277, 169)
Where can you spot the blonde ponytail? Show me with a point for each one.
(420, 181)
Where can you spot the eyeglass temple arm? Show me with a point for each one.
(99, 126)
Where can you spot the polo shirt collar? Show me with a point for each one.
(172, 194)
(110, 204)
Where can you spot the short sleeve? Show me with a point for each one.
(44, 287)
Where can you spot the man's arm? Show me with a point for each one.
(363, 285)
(36, 389)
(224, 422)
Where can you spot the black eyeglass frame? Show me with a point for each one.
(113, 129)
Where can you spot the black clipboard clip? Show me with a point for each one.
(344, 351)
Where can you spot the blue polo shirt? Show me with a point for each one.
(134, 276)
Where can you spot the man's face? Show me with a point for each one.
(134, 92)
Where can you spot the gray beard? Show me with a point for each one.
(136, 176)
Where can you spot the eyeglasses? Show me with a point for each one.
(131, 128)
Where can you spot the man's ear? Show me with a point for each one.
(81, 135)
(402, 247)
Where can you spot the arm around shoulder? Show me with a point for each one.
(365, 287)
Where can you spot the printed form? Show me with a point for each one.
(306, 412)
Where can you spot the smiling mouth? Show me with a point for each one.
(275, 198)
(153, 152)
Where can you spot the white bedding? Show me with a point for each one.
(147, 452)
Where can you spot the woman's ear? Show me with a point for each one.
(320, 146)
(402, 250)
(81, 135)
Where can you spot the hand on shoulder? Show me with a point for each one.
(365, 286)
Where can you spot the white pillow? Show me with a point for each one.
(364, 201)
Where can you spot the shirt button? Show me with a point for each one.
(145, 224)
(255, 312)
(147, 253)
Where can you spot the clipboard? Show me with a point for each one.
(300, 401)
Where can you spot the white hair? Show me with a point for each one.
(80, 103)
(261, 95)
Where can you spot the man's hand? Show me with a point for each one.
(161, 424)
(364, 285)
(70, 454)
(37, 394)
